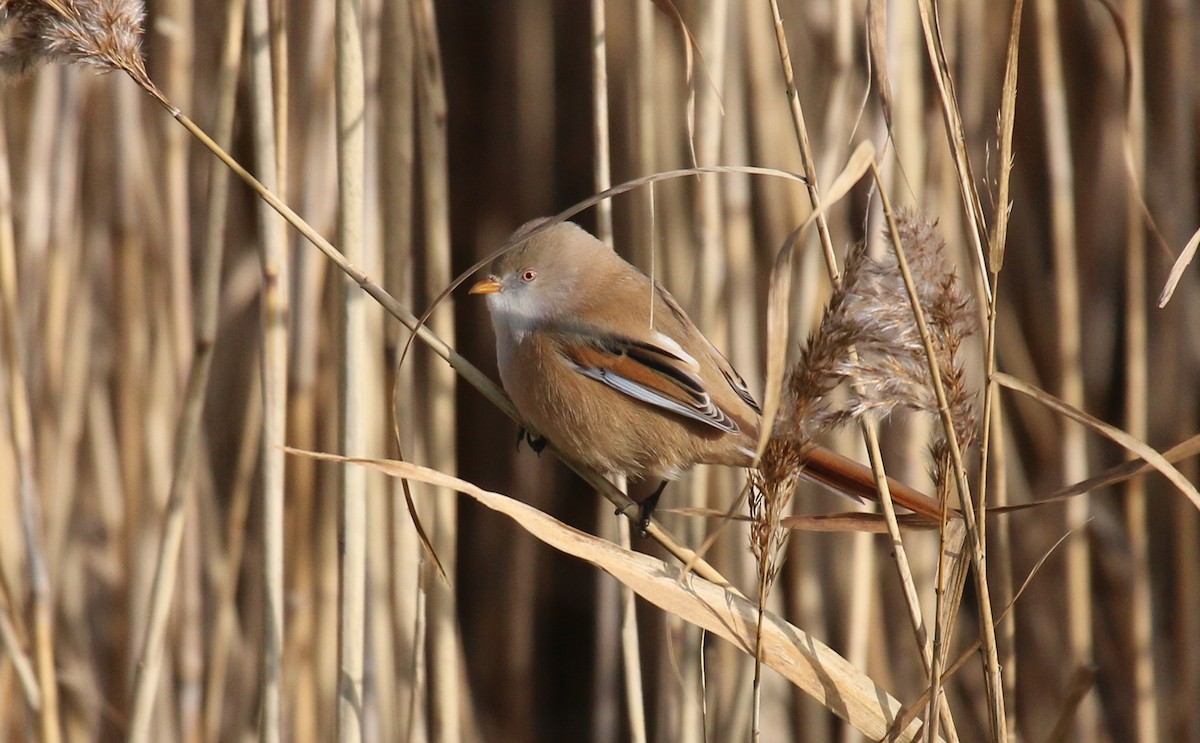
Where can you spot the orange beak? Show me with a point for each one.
(487, 286)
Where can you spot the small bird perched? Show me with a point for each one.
(604, 362)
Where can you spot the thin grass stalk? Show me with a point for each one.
(842, 105)
(710, 300)
(600, 139)
(1137, 391)
(870, 435)
(992, 437)
(227, 586)
(910, 135)
(396, 204)
(645, 109)
(20, 421)
(610, 603)
(861, 607)
(281, 86)
(956, 137)
(65, 333)
(907, 582)
(991, 658)
(801, 128)
(1060, 172)
(177, 64)
(275, 302)
(630, 651)
(131, 344)
(730, 668)
(214, 240)
(352, 500)
(450, 700)
(66, 341)
(15, 650)
(186, 450)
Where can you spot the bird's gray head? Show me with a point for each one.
(542, 278)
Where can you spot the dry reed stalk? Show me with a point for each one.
(186, 443)
(993, 447)
(710, 301)
(1186, 614)
(955, 436)
(895, 65)
(223, 637)
(729, 669)
(60, 377)
(450, 701)
(955, 135)
(311, 656)
(352, 331)
(870, 435)
(602, 168)
(277, 11)
(1137, 391)
(801, 130)
(396, 135)
(642, 157)
(274, 369)
(67, 320)
(20, 419)
(177, 63)
(1067, 293)
(15, 650)
(131, 344)
(973, 213)
(614, 603)
(907, 163)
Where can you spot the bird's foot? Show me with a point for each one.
(646, 508)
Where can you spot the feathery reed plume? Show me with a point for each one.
(869, 313)
(105, 34)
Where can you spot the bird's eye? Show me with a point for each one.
(528, 275)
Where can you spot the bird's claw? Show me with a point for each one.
(643, 521)
(645, 508)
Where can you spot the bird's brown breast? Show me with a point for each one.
(603, 428)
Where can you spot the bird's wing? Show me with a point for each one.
(657, 373)
(736, 383)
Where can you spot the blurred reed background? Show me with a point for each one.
(113, 214)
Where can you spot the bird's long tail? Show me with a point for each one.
(848, 477)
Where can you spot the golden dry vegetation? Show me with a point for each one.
(168, 572)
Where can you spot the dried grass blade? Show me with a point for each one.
(1181, 263)
(1008, 106)
(1127, 470)
(910, 712)
(800, 658)
(1112, 433)
(877, 56)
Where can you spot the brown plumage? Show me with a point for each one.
(604, 363)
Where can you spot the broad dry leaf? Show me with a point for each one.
(798, 657)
